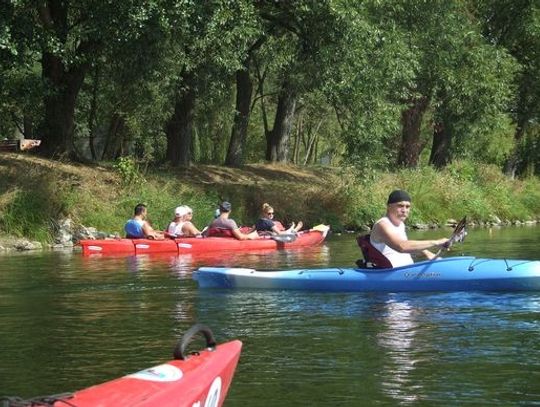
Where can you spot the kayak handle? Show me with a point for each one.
(180, 348)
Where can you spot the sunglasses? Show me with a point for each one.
(270, 213)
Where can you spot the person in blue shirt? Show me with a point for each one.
(138, 228)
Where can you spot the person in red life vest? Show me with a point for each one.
(226, 227)
(388, 234)
(267, 223)
(139, 228)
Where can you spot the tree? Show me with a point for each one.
(515, 25)
(244, 92)
(214, 43)
(458, 76)
(65, 39)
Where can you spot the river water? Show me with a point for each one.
(68, 322)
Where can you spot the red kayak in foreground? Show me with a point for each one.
(310, 237)
(199, 379)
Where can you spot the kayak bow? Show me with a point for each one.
(199, 379)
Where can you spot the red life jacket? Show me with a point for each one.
(219, 232)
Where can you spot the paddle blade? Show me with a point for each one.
(459, 233)
(321, 228)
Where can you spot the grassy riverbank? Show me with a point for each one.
(36, 193)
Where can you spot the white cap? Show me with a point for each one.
(180, 211)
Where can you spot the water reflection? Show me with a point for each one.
(182, 265)
(398, 338)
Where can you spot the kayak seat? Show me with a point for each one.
(372, 257)
(219, 232)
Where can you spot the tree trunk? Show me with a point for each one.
(411, 144)
(59, 120)
(297, 140)
(115, 138)
(244, 90)
(277, 140)
(92, 115)
(513, 161)
(180, 126)
(441, 148)
(65, 83)
(311, 153)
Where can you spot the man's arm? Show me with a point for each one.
(149, 232)
(383, 232)
(242, 236)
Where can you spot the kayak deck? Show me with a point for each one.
(450, 274)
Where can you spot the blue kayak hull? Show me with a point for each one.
(449, 274)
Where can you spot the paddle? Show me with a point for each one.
(457, 236)
(321, 228)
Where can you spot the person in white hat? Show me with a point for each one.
(181, 225)
(188, 228)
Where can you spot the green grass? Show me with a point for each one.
(479, 191)
(33, 200)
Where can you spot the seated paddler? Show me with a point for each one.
(223, 226)
(139, 228)
(267, 223)
(388, 235)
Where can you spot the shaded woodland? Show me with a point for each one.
(376, 84)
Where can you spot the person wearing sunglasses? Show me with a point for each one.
(267, 223)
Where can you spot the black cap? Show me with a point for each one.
(398, 196)
(225, 206)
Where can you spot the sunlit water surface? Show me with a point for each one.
(68, 321)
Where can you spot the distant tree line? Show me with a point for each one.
(373, 83)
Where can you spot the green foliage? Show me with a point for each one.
(353, 66)
(27, 216)
(33, 199)
(477, 190)
(129, 172)
(33, 207)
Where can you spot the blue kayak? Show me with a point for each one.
(449, 274)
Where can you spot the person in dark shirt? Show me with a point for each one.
(267, 223)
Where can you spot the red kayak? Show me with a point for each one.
(199, 379)
(310, 237)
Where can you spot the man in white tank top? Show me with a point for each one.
(389, 237)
